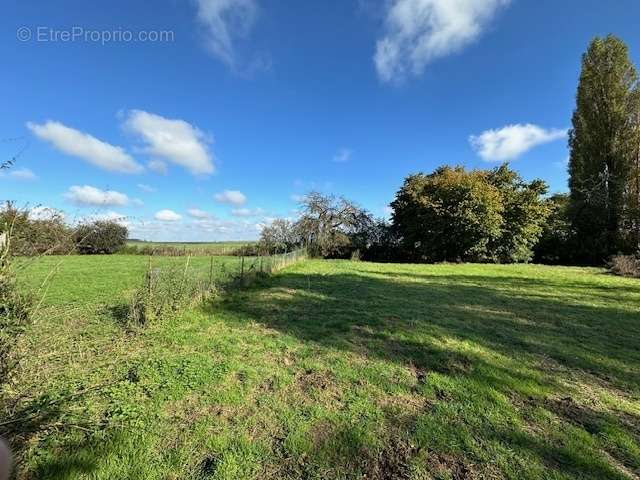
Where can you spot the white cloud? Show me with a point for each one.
(19, 174)
(173, 140)
(421, 31)
(106, 216)
(511, 141)
(225, 22)
(88, 195)
(197, 213)
(342, 155)
(86, 147)
(298, 198)
(167, 216)
(246, 212)
(146, 188)
(234, 197)
(44, 213)
(158, 166)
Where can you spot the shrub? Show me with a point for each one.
(100, 237)
(44, 235)
(625, 265)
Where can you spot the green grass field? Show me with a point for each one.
(200, 248)
(335, 369)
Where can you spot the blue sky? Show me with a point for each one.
(228, 110)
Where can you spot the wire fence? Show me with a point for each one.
(170, 286)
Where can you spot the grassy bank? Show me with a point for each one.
(336, 370)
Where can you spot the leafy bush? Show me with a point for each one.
(100, 237)
(625, 265)
(44, 235)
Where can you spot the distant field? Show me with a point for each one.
(203, 248)
(336, 369)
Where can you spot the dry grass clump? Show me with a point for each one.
(626, 265)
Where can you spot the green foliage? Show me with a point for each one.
(459, 215)
(45, 235)
(100, 237)
(604, 148)
(523, 217)
(165, 292)
(451, 215)
(556, 244)
(15, 304)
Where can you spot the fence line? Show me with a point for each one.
(170, 289)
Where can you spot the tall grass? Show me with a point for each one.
(166, 291)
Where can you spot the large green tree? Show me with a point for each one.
(451, 214)
(603, 141)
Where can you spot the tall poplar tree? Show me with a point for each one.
(603, 142)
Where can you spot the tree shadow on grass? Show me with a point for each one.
(409, 321)
(431, 323)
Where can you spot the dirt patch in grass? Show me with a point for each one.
(451, 466)
(311, 382)
(393, 462)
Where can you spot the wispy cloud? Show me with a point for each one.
(158, 166)
(86, 147)
(342, 155)
(197, 213)
(247, 212)
(421, 31)
(225, 23)
(23, 174)
(233, 197)
(146, 188)
(173, 140)
(511, 141)
(87, 195)
(167, 215)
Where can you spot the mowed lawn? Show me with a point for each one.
(336, 369)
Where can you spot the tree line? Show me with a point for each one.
(454, 214)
